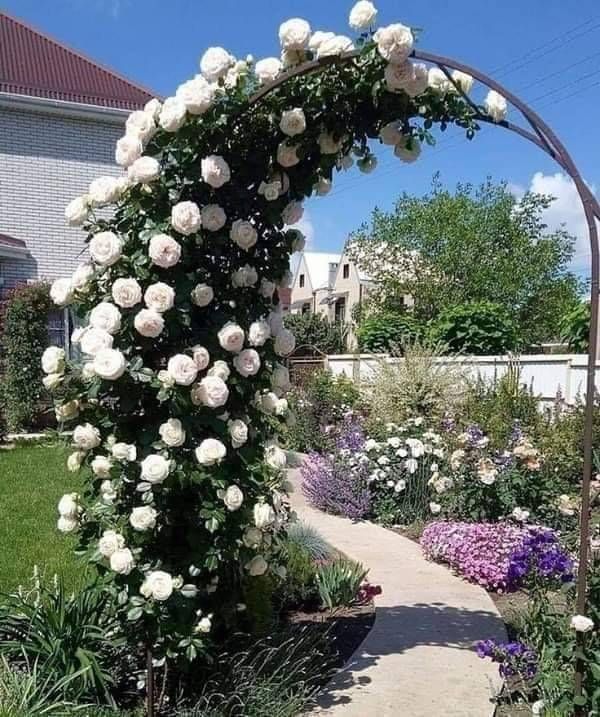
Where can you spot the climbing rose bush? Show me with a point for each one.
(176, 403)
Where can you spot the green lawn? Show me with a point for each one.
(32, 480)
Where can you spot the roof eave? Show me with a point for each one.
(113, 115)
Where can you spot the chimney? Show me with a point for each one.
(332, 272)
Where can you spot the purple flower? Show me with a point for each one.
(540, 557)
(513, 658)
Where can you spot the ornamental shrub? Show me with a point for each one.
(315, 334)
(24, 338)
(388, 331)
(574, 328)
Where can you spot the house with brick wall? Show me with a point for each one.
(60, 116)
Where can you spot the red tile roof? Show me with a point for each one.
(35, 65)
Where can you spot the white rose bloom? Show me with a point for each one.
(155, 468)
(328, 144)
(182, 369)
(215, 171)
(345, 162)
(238, 431)
(281, 407)
(285, 342)
(244, 277)
(268, 402)
(61, 292)
(438, 80)
(275, 457)
(185, 218)
(408, 149)
(101, 466)
(75, 460)
(257, 566)
(292, 213)
(394, 42)
(287, 154)
(106, 316)
(211, 391)
(233, 498)
(537, 708)
(109, 364)
(267, 288)
(67, 411)
(220, 369)
(391, 133)
(270, 190)
(294, 34)
(204, 625)
(122, 561)
(463, 80)
(172, 433)
(231, 337)
(252, 537)
(126, 293)
(215, 62)
(293, 122)
(264, 515)
(106, 248)
(335, 45)
(67, 525)
(318, 38)
(94, 340)
(580, 623)
(363, 15)
(202, 295)
(435, 508)
(87, 370)
(210, 451)
(141, 123)
(128, 149)
(143, 518)
(280, 379)
(267, 69)
(53, 360)
(77, 210)
(124, 451)
(157, 585)
(243, 234)
(82, 276)
(164, 251)
(213, 217)
(258, 333)
(108, 492)
(52, 380)
(197, 95)
(496, 106)
(201, 357)
(419, 81)
(247, 362)
(172, 114)
(110, 542)
(103, 191)
(398, 77)
(520, 514)
(68, 505)
(159, 297)
(152, 107)
(86, 436)
(144, 170)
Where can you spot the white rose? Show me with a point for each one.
(164, 251)
(202, 295)
(294, 34)
(435, 508)
(103, 191)
(185, 217)
(247, 362)
(243, 234)
(264, 515)
(157, 585)
(82, 276)
(281, 407)
(52, 380)
(67, 411)
(394, 42)
(318, 38)
(363, 15)
(580, 623)
(285, 342)
(270, 190)
(87, 370)
(53, 360)
(220, 369)
(292, 212)
(211, 391)
(152, 107)
(144, 170)
(165, 378)
(231, 337)
(267, 69)
(105, 316)
(155, 468)
(172, 114)
(335, 46)
(496, 106)
(293, 122)
(126, 293)
(215, 62)
(68, 505)
(122, 561)
(67, 525)
(213, 217)
(258, 333)
(398, 77)
(128, 149)
(408, 149)
(141, 123)
(463, 80)
(268, 402)
(210, 452)
(86, 436)
(252, 537)
(201, 357)
(267, 288)
(215, 171)
(110, 542)
(101, 466)
(109, 364)
(438, 80)
(257, 566)
(159, 297)
(275, 457)
(75, 460)
(182, 369)
(287, 154)
(238, 431)
(204, 625)
(172, 433)
(94, 340)
(280, 379)
(244, 277)
(76, 211)
(419, 81)
(61, 292)
(391, 133)
(124, 451)
(106, 248)
(196, 94)
(143, 518)
(328, 144)
(233, 498)
(108, 492)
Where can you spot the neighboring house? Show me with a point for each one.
(60, 116)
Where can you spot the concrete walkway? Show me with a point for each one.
(418, 660)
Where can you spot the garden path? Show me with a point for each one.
(418, 659)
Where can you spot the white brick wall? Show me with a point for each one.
(45, 161)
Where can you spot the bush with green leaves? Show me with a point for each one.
(24, 336)
(381, 332)
(574, 328)
(339, 582)
(315, 334)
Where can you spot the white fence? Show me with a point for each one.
(546, 374)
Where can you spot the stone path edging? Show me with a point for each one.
(418, 659)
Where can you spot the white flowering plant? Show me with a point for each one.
(182, 335)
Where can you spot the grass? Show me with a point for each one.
(32, 480)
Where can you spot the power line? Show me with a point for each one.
(567, 85)
(541, 80)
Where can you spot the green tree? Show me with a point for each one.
(313, 330)
(574, 327)
(477, 244)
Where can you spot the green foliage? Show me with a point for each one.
(24, 338)
(314, 331)
(574, 328)
(477, 328)
(339, 581)
(259, 598)
(381, 332)
(299, 586)
(306, 537)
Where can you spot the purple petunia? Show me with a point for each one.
(513, 658)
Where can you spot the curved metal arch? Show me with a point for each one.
(543, 137)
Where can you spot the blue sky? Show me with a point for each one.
(546, 50)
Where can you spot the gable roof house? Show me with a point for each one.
(61, 114)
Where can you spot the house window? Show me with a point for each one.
(340, 310)
(301, 281)
(346, 271)
(306, 308)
